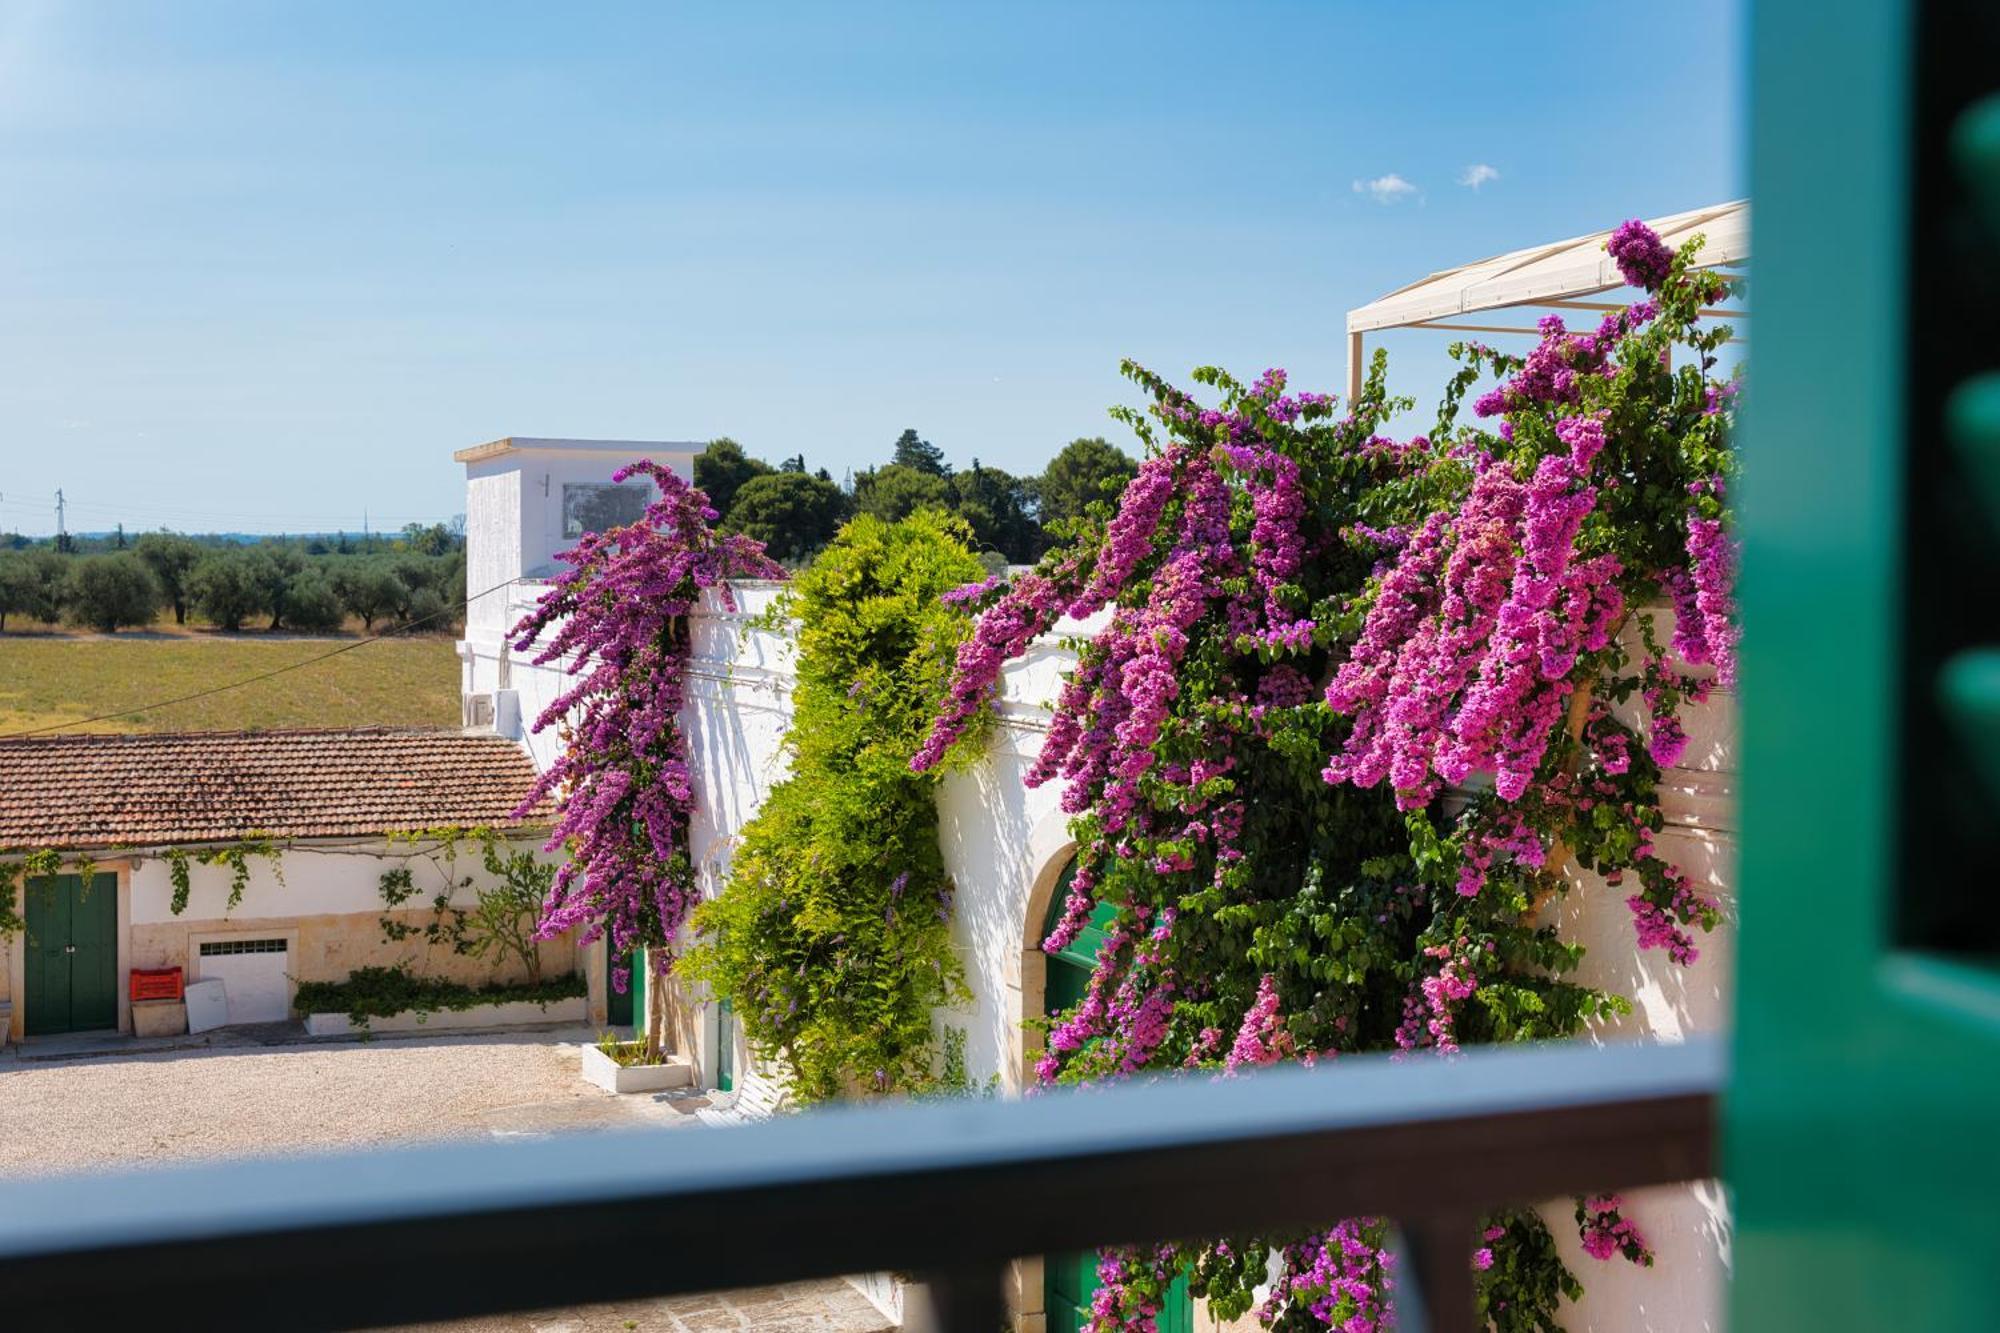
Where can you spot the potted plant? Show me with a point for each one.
(634, 1066)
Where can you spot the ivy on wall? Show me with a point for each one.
(832, 936)
(236, 856)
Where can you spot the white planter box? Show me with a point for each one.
(514, 1013)
(602, 1071)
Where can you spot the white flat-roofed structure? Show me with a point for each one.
(1555, 276)
(529, 497)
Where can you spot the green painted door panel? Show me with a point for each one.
(640, 970)
(72, 954)
(617, 1003)
(1070, 1280)
(48, 962)
(1866, 1082)
(93, 978)
(725, 1046)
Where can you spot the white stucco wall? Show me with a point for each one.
(492, 542)
(306, 880)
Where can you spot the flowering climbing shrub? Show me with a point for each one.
(832, 937)
(622, 783)
(1349, 711)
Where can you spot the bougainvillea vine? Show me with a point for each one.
(622, 783)
(1350, 711)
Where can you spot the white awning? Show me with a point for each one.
(1548, 274)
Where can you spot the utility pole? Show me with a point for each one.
(62, 532)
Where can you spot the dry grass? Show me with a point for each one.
(46, 679)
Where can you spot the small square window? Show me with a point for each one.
(596, 506)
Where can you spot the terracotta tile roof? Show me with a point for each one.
(97, 792)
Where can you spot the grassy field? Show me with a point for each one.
(48, 679)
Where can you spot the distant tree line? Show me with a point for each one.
(309, 585)
(795, 512)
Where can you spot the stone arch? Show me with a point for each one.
(1050, 849)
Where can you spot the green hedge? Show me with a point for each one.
(382, 992)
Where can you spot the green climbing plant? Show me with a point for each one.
(832, 936)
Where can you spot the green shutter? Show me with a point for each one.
(1866, 1085)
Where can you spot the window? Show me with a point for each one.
(594, 506)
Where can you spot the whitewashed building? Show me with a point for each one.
(1006, 847)
(283, 838)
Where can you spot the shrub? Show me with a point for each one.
(383, 992)
(106, 592)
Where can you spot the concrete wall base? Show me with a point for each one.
(515, 1013)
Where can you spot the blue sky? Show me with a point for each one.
(266, 265)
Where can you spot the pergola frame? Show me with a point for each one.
(1555, 276)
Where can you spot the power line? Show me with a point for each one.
(262, 676)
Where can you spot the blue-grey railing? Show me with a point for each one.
(953, 1190)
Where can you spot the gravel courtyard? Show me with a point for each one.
(271, 1093)
(236, 1100)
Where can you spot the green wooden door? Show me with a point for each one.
(1070, 1280)
(617, 1003)
(72, 948)
(725, 1046)
(1866, 1081)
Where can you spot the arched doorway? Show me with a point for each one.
(1070, 1280)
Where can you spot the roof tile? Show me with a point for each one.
(99, 792)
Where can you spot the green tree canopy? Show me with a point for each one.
(106, 592)
(434, 540)
(894, 492)
(368, 589)
(721, 471)
(224, 588)
(996, 505)
(172, 558)
(311, 603)
(31, 585)
(272, 568)
(1087, 469)
(921, 454)
(792, 513)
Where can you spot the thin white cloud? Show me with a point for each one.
(1389, 189)
(1477, 174)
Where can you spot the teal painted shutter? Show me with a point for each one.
(1867, 1076)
